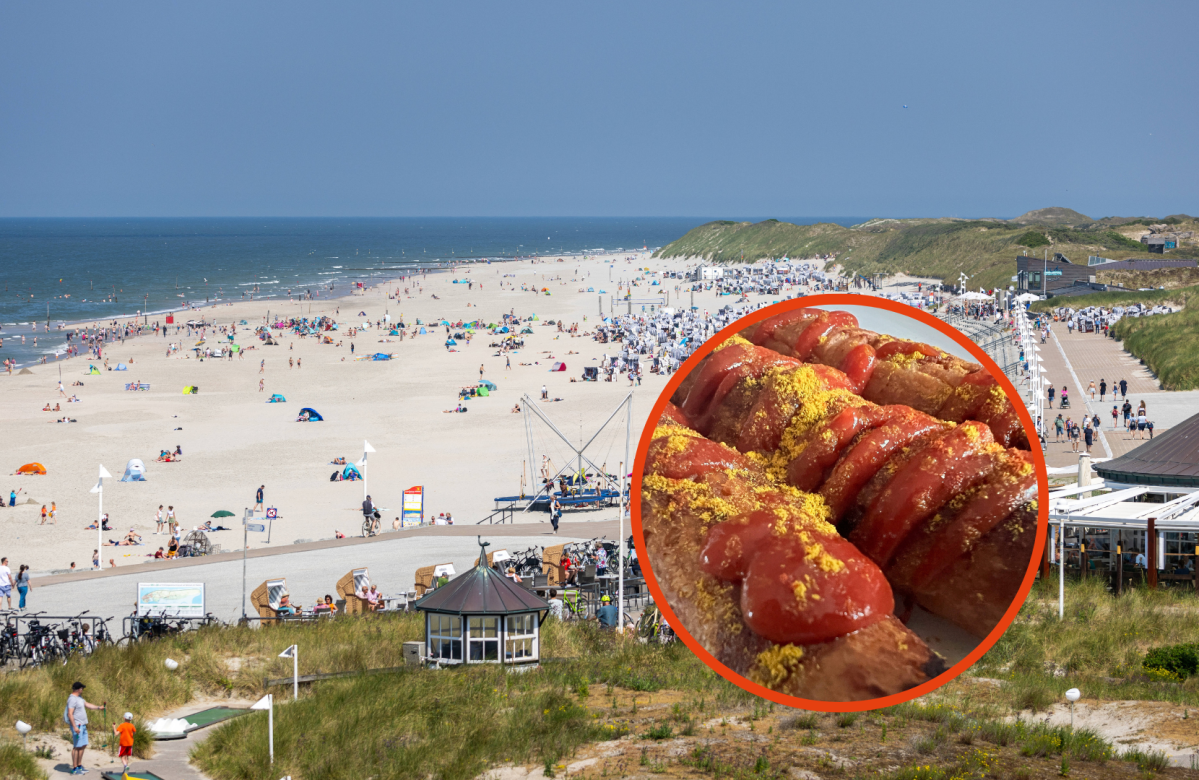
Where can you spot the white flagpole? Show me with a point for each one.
(295, 672)
(366, 448)
(270, 725)
(100, 518)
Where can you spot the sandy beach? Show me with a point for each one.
(233, 441)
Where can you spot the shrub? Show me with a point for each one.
(660, 731)
(1032, 239)
(846, 719)
(1147, 761)
(1180, 661)
(805, 720)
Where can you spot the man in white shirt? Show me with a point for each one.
(76, 717)
(1140, 560)
(6, 581)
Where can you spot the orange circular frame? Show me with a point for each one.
(841, 299)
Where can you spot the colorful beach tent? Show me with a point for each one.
(122, 367)
(92, 370)
(451, 343)
(191, 390)
(32, 468)
(482, 392)
(488, 384)
(351, 469)
(135, 471)
(381, 356)
(313, 414)
(423, 331)
(559, 366)
(526, 330)
(276, 399)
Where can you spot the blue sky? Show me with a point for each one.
(614, 108)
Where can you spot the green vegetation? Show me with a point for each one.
(1033, 239)
(1099, 647)
(1181, 661)
(1166, 342)
(1176, 297)
(940, 248)
(456, 723)
(17, 763)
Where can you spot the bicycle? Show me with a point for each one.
(370, 525)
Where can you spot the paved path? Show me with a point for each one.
(311, 570)
(1074, 360)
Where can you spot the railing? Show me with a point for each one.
(505, 515)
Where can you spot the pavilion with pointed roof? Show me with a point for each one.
(482, 616)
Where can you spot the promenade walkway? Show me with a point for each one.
(1076, 359)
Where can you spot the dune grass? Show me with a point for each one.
(1099, 647)
(986, 250)
(455, 723)
(1177, 297)
(17, 763)
(1166, 342)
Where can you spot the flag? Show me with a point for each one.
(262, 704)
(289, 652)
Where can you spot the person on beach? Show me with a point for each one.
(1115, 416)
(261, 385)
(124, 733)
(43, 515)
(1091, 389)
(1058, 425)
(6, 581)
(258, 497)
(1102, 388)
(76, 718)
(159, 521)
(23, 585)
(172, 523)
(53, 513)
(1051, 396)
(1124, 388)
(262, 367)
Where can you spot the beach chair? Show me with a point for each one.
(347, 589)
(266, 597)
(551, 565)
(425, 576)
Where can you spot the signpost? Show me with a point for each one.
(293, 653)
(99, 489)
(268, 703)
(366, 450)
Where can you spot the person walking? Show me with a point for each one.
(124, 733)
(172, 523)
(262, 366)
(22, 585)
(258, 497)
(1088, 435)
(1123, 388)
(1115, 416)
(1102, 388)
(159, 521)
(480, 372)
(555, 513)
(6, 581)
(1059, 425)
(1051, 392)
(507, 361)
(1091, 389)
(76, 717)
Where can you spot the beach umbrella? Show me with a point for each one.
(222, 513)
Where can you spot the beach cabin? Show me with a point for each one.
(483, 617)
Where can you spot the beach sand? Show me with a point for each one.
(233, 441)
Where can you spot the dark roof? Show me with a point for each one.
(481, 591)
(1169, 460)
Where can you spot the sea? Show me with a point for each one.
(70, 271)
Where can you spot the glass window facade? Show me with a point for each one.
(444, 634)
